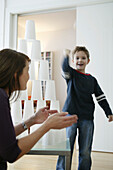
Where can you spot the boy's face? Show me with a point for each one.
(80, 61)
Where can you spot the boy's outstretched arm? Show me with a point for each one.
(102, 101)
(66, 52)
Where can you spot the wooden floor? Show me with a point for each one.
(101, 161)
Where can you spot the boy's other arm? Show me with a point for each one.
(110, 118)
(102, 101)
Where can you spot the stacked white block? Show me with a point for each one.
(41, 88)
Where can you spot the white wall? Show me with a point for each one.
(2, 8)
(95, 31)
(50, 3)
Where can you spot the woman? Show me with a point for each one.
(14, 67)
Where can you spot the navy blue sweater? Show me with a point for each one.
(80, 88)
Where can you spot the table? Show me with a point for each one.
(62, 149)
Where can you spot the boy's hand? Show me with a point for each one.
(110, 117)
(66, 52)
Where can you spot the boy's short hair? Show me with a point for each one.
(81, 48)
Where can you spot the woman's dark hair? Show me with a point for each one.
(11, 62)
(81, 48)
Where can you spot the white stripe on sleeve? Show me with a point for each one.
(99, 97)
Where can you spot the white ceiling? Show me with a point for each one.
(50, 21)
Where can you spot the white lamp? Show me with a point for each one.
(54, 105)
(22, 46)
(25, 133)
(36, 50)
(30, 30)
(16, 112)
(34, 128)
(36, 90)
(28, 109)
(43, 70)
(40, 104)
(23, 95)
(50, 93)
(55, 137)
(36, 69)
(32, 70)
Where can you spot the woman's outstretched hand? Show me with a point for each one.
(60, 120)
(42, 115)
(53, 119)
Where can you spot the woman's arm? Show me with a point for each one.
(19, 128)
(55, 121)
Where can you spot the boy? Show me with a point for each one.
(79, 101)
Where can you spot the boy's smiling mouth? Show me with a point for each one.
(80, 64)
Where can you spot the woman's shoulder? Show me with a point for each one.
(3, 94)
(4, 100)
